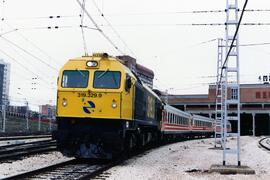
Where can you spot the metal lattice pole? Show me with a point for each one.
(4, 118)
(231, 80)
(218, 114)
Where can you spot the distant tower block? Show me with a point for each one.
(4, 82)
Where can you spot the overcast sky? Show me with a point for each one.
(151, 29)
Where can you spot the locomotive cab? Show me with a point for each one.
(94, 87)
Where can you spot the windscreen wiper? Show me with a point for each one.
(103, 73)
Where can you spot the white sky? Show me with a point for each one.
(181, 64)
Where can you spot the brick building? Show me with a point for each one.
(254, 106)
(4, 82)
(47, 111)
(146, 75)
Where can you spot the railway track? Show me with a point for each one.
(8, 138)
(265, 143)
(17, 150)
(80, 169)
(72, 169)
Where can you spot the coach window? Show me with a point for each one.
(75, 79)
(107, 79)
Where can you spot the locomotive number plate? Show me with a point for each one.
(89, 94)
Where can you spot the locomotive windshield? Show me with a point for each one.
(75, 79)
(107, 79)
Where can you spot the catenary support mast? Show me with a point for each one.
(219, 114)
(231, 88)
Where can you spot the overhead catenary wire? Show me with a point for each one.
(188, 24)
(214, 11)
(49, 28)
(44, 17)
(99, 29)
(243, 45)
(24, 66)
(256, 44)
(7, 32)
(82, 29)
(32, 67)
(34, 45)
(114, 30)
(129, 14)
(30, 54)
(128, 25)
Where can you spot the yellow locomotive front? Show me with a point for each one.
(94, 87)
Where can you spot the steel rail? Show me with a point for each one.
(40, 170)
(22, 150)
(25, 144)
(24, 137)
(264, 146)
(71, 169)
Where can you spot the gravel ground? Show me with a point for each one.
(30, 163)
(172, 162)
(167, 162)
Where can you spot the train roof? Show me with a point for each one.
(202, 118)
(174, 110)
(151, 91)
(105, 56)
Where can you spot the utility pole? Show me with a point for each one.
(219, 103)
(231, 88)
(26, 116)
(4, 117)
(39, 119)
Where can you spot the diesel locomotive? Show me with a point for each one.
(104, 109)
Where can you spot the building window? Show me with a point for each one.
(264, 95)
(234, 93)
(258, 95)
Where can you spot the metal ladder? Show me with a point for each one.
(231, 97)
(219, 114)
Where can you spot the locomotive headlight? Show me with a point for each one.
(91, 63)
(114, 104)
(64, 102)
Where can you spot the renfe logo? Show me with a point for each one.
(87, 109)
